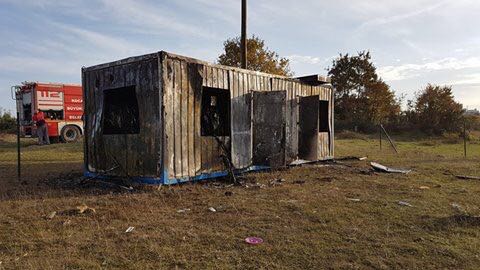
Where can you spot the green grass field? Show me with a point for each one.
(309, 221)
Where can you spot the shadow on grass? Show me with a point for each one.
(38, 184)
(454, 221)
(72, 183)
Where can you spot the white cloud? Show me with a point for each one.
(136, 16)
(70, 8)
(432, 38)
(66, 51)
(403, 16)
(153, 19)
(407, 71)
(469, 79)
(29, 64)
(305, 59)
(114, 45)
(226, 10)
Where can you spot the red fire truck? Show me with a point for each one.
(62, 105)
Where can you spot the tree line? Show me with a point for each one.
(363, 100)
(8, 123)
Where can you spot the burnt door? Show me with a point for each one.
(308, 127)
(268, 124)
(241, 131)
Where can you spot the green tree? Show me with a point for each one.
(436, 111)
(380, 106)
(259, 57)
(7, 122)
(472, 122)
(362, 99)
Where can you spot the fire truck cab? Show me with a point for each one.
(62, 105)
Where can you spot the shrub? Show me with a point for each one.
(350, 135)
(8, 123)
(451, 138)
(435, 111)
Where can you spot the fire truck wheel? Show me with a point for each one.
(70, 134)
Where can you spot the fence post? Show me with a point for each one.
(380, 129)
(389, 139)
(465, 138)
(18, 148)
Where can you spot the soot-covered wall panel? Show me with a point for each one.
(122, 118)
(269, 128)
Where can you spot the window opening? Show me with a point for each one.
(323, 116)
(215, 112)
(120, 111)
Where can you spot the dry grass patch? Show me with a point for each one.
(320, 217)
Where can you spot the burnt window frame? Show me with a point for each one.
(124, 99)
(222, 108)
(323, 114)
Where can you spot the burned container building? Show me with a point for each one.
(163, 118)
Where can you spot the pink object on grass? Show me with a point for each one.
(254, 240)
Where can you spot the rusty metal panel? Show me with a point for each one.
(308, 128)
(291, 146)
(241, 131)
(241, 143)
(269, 128)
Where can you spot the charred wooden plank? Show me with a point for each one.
(184, 94)
(90, 87)
(169, 156)
(114, 152)
(196, 78)
(177, 116)
(135, 153)
(190, 120)
(149, 138)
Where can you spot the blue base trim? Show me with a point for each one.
(171, 181)
(140, 180)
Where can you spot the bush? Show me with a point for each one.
(472, 122)
(350, 135)
(436, 112)
(429, 143)
(8, 124)
(451, 138)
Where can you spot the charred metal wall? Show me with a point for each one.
(126, 153)
(170, 146)
(188, 154)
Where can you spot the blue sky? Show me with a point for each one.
(413, 42)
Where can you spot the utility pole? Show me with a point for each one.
(243, 45)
